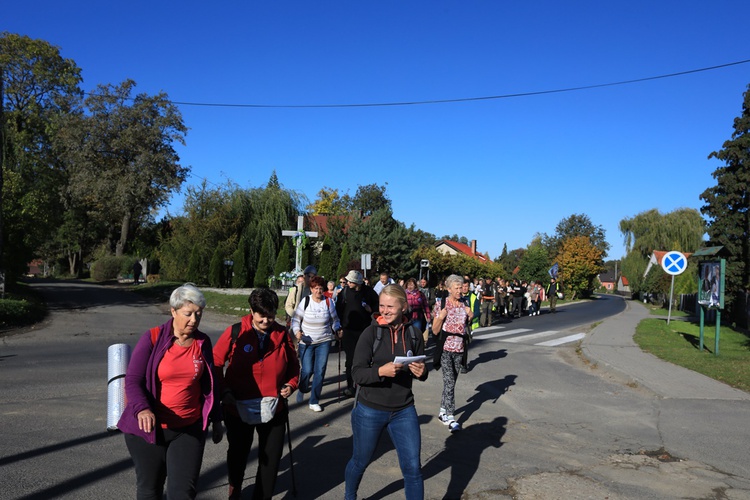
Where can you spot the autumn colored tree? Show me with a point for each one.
(580, 263)
(329, 202)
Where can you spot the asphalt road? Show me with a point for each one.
(539, 421)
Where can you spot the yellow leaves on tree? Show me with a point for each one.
(580, 262)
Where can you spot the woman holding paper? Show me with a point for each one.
(384, 398)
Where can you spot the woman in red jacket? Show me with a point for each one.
(262, 368)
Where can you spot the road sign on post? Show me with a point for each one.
(366, 263)
(673, 263)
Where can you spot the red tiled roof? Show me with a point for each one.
(464, 249)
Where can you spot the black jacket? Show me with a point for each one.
(385, 393)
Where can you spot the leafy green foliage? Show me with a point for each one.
(572, 226)
(535, 263)
(343, 268)
(728, 206)
(40, 89)
(326, 261)
(265, 266)
(194, 274)
(216, 269)
(239, 278)
(109, 267)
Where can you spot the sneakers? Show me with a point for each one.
(315, 407)
(450, 421)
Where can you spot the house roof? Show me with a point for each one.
(320, 222)
(606, 277)
(624, 281)
(464, 249)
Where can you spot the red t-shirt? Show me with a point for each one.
(179, 375)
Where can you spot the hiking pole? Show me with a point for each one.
(339, 344)
(289, 441)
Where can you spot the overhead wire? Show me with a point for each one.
(462, 99)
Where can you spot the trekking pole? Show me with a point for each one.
(289, 441)
(339, 344)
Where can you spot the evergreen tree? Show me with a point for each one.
(325, 261)
(728, 208)
(265, 266)
(239, 278)
(216, 270)
(282, 260)
(194, 266)
(342, 269)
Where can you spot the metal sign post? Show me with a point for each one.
(673, 263)
(366, 263)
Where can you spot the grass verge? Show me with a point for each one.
(233, 305)
(679, 343)
(21, 307)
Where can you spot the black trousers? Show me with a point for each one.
(179, 451)
(270, 448)
(348, 343)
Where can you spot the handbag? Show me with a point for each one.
(257, 410)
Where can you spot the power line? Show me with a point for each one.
(462, 99)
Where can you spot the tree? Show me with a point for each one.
(216, 270)
(121, 157)
(265, 265)
(535, 262)
(194, 274)
(576, 225)
(329, 202)
(38, 88)
(342, 268)
(371, 198)
(680, 230)
(728, 207)
(580, 263)
(239, 269)
(325, 261)
(283, 259)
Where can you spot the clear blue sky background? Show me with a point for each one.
(499, 170)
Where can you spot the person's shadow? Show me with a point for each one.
(463, 449)
(485, 357)
(486, 391)
(460, 457)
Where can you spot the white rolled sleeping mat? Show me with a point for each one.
(118, 357)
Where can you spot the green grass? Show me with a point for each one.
(679, 341)
(21, 307)
(233, 305)
(660, 311)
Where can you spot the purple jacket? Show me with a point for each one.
(141, 380)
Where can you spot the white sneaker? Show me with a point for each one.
(443, 418)
(453, 426)
(315, 407)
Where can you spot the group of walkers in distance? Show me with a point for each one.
(177, 382)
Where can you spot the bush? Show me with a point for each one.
(17, 311)
(108, 267)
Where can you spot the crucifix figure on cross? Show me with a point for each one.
(299, 238)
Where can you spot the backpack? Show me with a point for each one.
(376, 343)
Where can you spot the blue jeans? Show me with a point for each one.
(403, 427)
(314, 358)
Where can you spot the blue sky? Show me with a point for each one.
(495, 170)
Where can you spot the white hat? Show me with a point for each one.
(354, 277)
